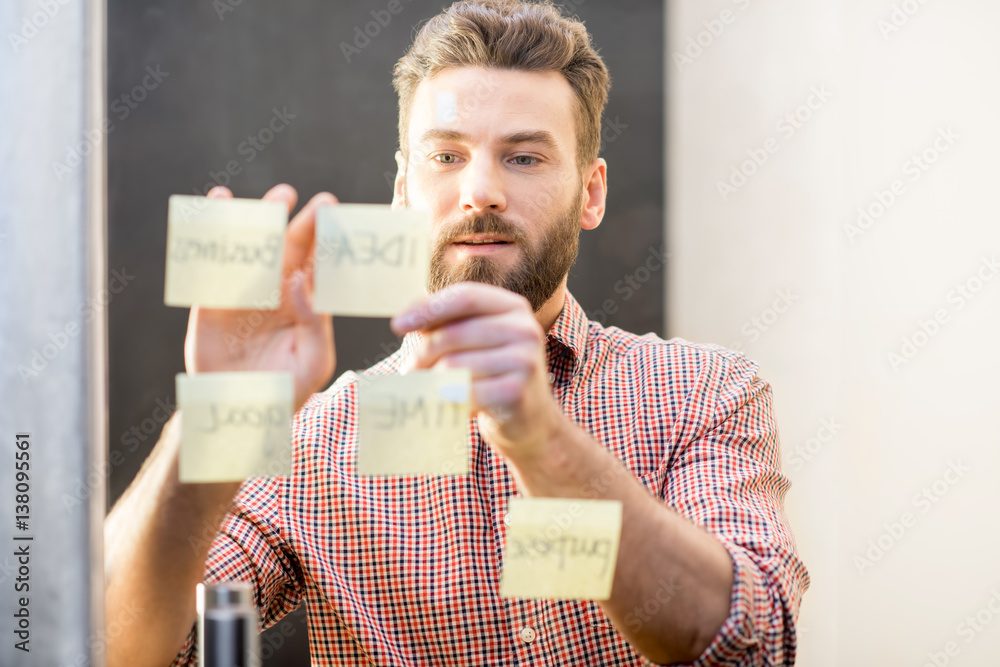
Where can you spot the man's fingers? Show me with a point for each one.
(498, 394)
(220, 192)
(455, 302)
(477, 333)
(488, 363)
(283, 192)
(301, 232)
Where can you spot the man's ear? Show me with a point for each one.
(595, 192)
(399, 185)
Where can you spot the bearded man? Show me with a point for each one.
(405, 570)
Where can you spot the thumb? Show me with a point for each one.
(314, 334)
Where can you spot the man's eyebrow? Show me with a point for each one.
(542, 137)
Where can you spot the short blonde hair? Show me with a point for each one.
(509, 34)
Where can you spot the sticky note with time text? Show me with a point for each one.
(414, 424)
(561, 548)
(224, 253)
(371, 261)
(234, 425)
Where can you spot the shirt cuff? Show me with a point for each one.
(732, 646)
(737, 633)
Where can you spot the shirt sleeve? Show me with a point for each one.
(727, 478)
(248, 547)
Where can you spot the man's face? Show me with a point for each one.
(492, 158)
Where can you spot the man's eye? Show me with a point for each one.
(445, 158)
(525, 160)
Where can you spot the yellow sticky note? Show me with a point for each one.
(371, 261)
(561, 548)
(235, 425)
(224, 253)
(414, 424)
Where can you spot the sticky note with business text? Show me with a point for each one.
(224, 253)
(371, 261)
(234, 425)
(414, 424)
(561, 548)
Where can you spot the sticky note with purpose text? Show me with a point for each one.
(371, 261)
(414, 424)
(561, 548)
(234, 425)
(224, 253)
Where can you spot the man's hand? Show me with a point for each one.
(292, 338)
(494, 333)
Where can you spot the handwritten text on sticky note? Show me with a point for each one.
(414, 424)
(561, 548)
(224, 253)
(234, 425)
(371, 261)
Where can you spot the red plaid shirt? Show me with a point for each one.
(406, 570)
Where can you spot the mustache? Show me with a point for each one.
(487, 223)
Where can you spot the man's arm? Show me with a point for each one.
(657, 545)
(494, 333)
(152, 567)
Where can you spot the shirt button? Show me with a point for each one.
(506, 519)
(552, 378)
(527, 634)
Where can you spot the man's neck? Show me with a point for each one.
(549, 312)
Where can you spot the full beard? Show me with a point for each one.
(536, 275)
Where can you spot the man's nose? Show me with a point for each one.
(482, 187)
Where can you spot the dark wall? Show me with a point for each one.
(189, 82)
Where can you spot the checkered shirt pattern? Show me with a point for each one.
(405, 570)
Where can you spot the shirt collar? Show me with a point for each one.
(570, 330)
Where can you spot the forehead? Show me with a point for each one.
(489, 103)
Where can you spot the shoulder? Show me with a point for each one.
(685, 363)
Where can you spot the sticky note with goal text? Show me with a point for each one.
(561, 548)
(224, 253)
(371, 261)
(234, 425)
(414, 424)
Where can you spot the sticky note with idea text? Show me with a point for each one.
(234, 425)
(371, 261)
(414, 424)
(561, 548)
(224, 253)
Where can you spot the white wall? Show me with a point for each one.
(895, 76)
